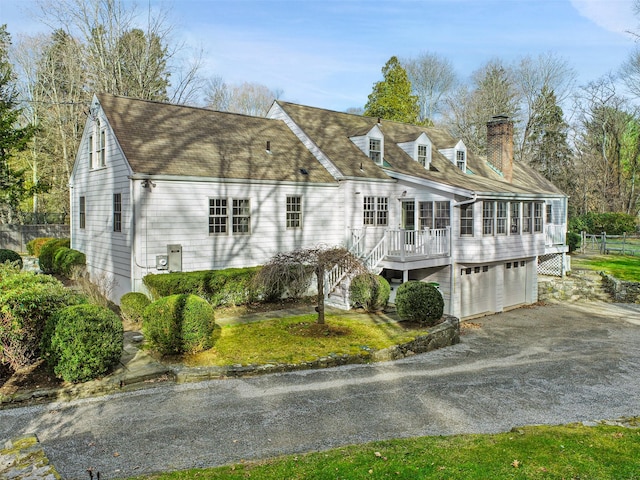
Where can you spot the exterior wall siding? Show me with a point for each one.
(107, 252)
(178, 213)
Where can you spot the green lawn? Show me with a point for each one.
(299, 339)
(540, 452)
(622, 267)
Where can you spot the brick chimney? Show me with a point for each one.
(500, 145)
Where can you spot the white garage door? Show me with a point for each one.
(515, 283)
(477, 290)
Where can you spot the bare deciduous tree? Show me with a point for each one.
(432, 77)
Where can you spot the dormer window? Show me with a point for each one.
(461, 160)
(375, 150)
(423, 155)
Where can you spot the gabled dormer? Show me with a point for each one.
(419, 149)
(371, 144)
(457, 155)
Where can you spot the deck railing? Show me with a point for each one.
(555, 235)
(418, 243)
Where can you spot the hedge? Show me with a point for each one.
(132, 306)
(34, 246)
(10, 256)
(179, 324)
(65, 259)
(419, 302)
(26, 302)
(82, 342)
(369, 291)
(232, 286)
(48, 252)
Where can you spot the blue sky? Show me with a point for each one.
(329, 53)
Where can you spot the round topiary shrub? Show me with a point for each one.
(48, 252)
(65, 259)
(82, 342)
(132, 306)
(369, 291)
(419, 302)
(10, 256)
(34, 246)
(179, 324)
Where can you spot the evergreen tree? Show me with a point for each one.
(13, 139)
(547, 148)
(391, 98)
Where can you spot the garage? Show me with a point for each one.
(477, 290)
(515, 283)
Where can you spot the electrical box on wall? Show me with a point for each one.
(162, 262)
(174, 252)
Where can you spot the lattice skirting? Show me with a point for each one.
(551, 265)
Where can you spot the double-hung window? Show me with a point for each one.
(488, 210)
(375, 150)
(294, 211)
(443, 215)
(501, 218)
(241, 216)
(515, 218)
(423, 158)
(117, 212)
(527, 213)
(82, 212)
(102, 152)
(425, 215)
(90, 147)
(466, 220)
(461, 162)
(537, 217)
(218, 216)
(375, 211)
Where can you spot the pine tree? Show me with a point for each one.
(547, 148)
(13, 139)
(391, 98)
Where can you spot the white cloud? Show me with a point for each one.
(614, 15)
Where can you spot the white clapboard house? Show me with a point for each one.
(159, 187)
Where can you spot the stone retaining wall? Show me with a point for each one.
(579, 285)
(622, 291)
(442, 335)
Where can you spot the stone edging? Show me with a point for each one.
(622, 291)
(442, 335)
(24, 458)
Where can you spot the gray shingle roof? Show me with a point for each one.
(165, 139)
(331, 131)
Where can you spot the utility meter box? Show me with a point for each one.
(162, 262)
(174, 252)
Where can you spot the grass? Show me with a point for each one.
(622, 267)
(300, 339)
(540, 452)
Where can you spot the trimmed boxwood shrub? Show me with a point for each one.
(82, 342)
(369, 291)
(231, 286)
(65, 259)
(26, 302)
(179, 324)
(132, 306)
(34, 246)
(419, 302)
(10, 256)
(48, 253)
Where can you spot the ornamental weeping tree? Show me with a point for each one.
(292, 271)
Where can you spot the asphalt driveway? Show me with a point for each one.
(551, 364)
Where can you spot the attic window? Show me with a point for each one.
(461, 160)
(375, 150)
(423, 155)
